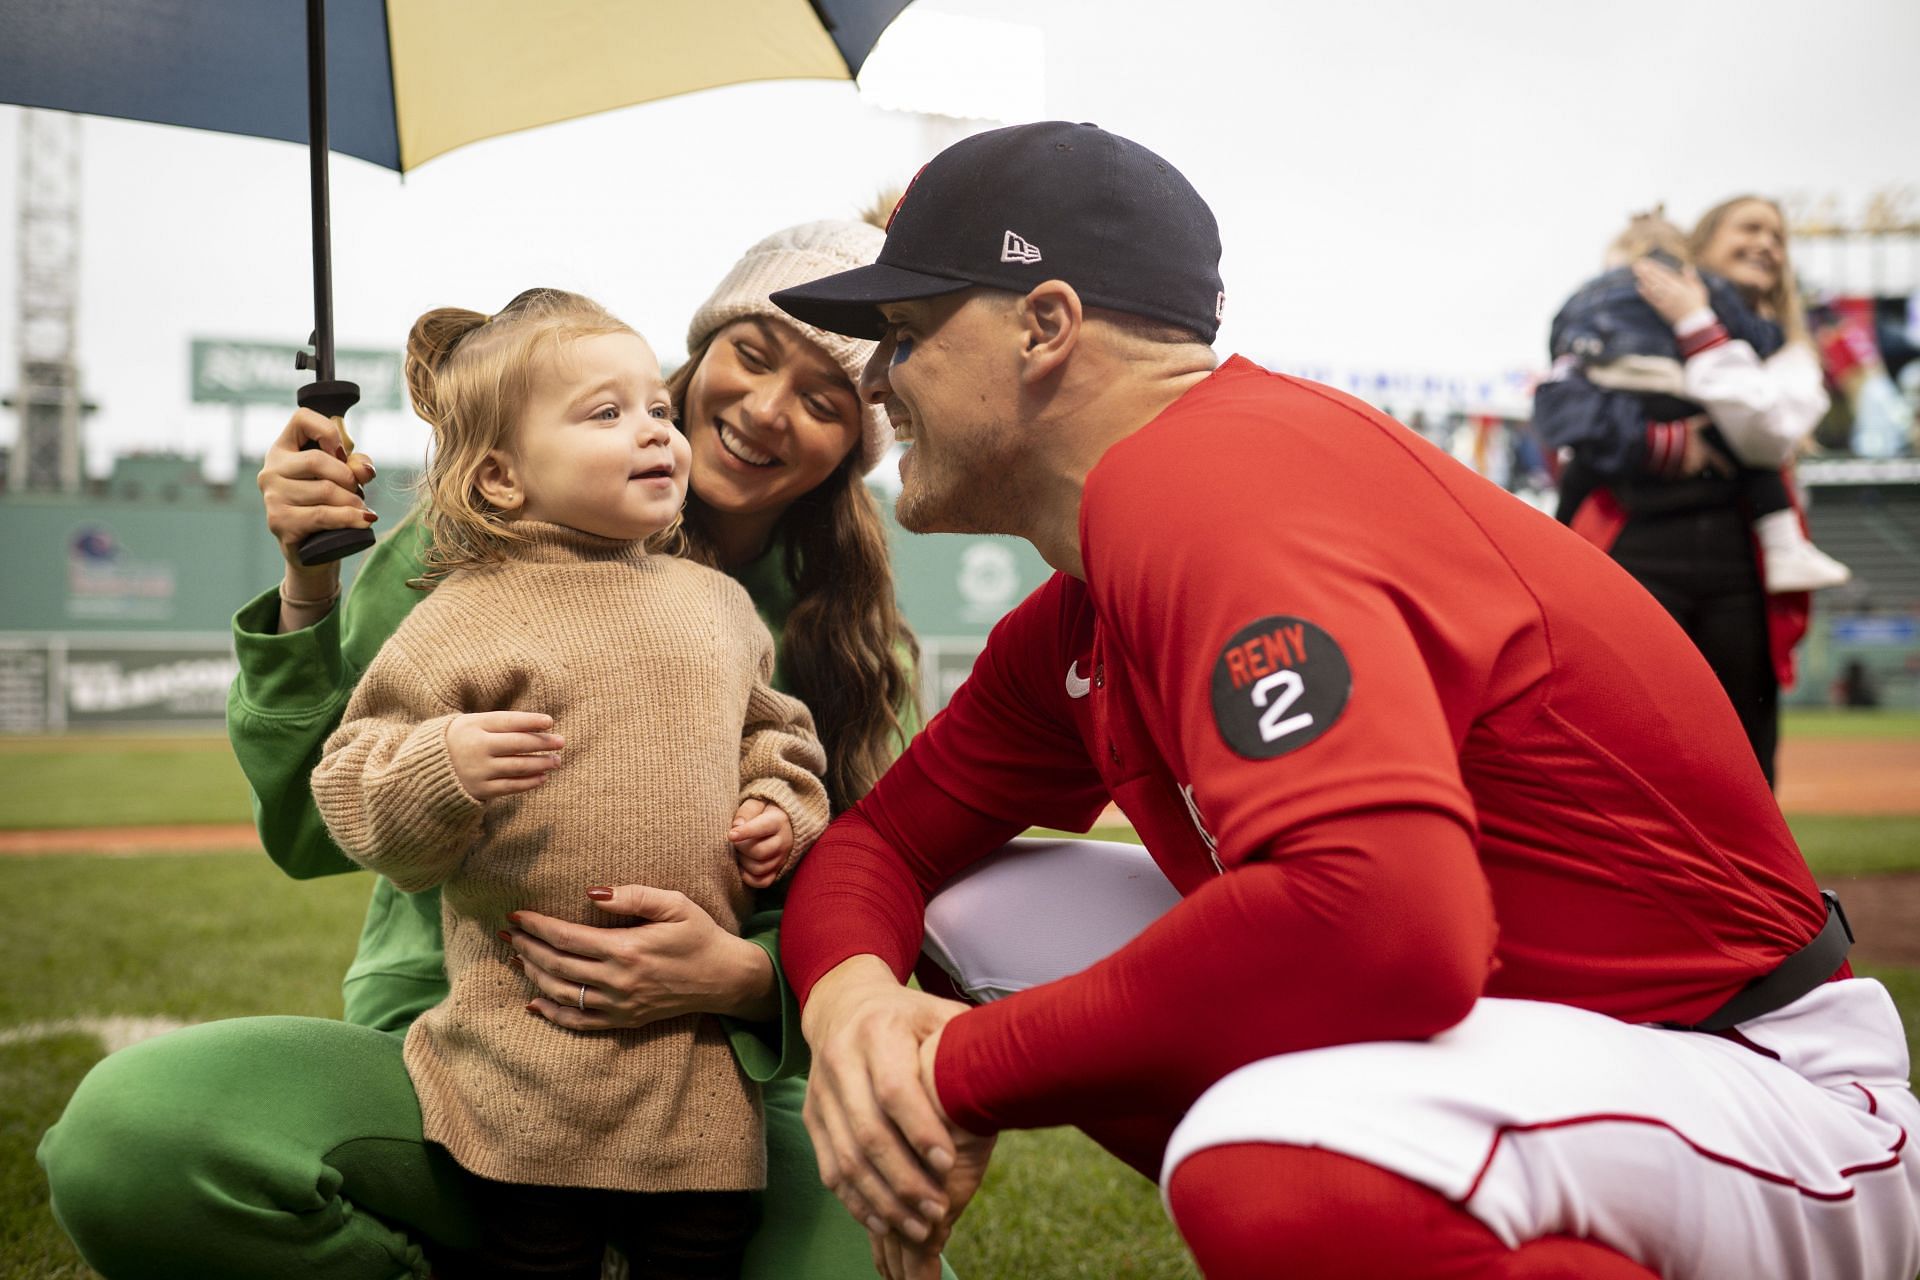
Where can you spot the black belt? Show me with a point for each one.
(1793, 977)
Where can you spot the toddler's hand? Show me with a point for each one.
(498, 753)
(762, 837)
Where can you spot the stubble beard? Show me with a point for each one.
(971, 497)
(921, 506)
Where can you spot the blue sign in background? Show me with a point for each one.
(1876, 631)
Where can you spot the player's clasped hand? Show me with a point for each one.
(501, 753)
(762, 839)
(898, 1258)
(883, 1146)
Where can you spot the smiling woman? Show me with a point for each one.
(781, 441)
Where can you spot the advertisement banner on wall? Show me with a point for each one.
(111, 686)
(105, 582)
(72, 682)
(25, 683)
(228, 371)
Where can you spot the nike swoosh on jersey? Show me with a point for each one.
(1077, 686)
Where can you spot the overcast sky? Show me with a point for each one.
(1405, 186)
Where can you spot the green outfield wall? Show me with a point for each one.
(114, 604)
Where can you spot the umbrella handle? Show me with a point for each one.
(332, 400)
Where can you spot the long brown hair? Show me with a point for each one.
(1783, 300)
(846, 649)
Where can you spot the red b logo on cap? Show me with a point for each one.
(903, 198)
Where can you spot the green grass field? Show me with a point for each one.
(195, 937)
(105, 782)
(1821, 722)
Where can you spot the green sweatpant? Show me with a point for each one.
(292, 1147)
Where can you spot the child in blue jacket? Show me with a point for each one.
(1608, 335)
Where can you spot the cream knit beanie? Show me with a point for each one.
(799, 255)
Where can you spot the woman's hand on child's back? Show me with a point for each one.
(674, 960)
(499, 753)
(1674, 294)
(762, 837)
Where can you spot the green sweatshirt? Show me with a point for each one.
(287, 699)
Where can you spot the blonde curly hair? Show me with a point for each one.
(470, 376)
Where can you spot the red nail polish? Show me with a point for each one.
(505, 936)
(600, 893)
(531, 1009)
(517, 963)
(514, 916)
(369, 516)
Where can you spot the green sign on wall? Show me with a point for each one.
(236, 372)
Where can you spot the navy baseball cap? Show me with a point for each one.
(1013, 207)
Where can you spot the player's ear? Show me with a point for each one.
(498, 481)
(1050, 318)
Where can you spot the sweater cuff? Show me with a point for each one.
(809, 819)
(1666, 447)
(1694, 321)
(1692, 343)
(411, 820)
(289, 675)
(426, 764)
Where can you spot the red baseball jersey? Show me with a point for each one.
(1399, 740)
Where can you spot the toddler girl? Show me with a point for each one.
(571, 707)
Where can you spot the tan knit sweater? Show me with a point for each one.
(655, 671)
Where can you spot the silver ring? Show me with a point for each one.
(583, 995)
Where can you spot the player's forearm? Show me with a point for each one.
(851, 896)
(1389, 939)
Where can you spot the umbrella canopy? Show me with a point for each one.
(398, 82)
(408, 80)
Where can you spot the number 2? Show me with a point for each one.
(1291, 686)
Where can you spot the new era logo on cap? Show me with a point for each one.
(1015, 249)
(1120, 225)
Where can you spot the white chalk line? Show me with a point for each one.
(114, 1031)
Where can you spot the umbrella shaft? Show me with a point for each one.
(317, 152)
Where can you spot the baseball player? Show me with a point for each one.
(1493, 955)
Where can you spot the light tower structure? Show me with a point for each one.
(47, 454)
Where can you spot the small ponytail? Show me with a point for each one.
(432, 339)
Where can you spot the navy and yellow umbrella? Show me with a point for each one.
(398, 82)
